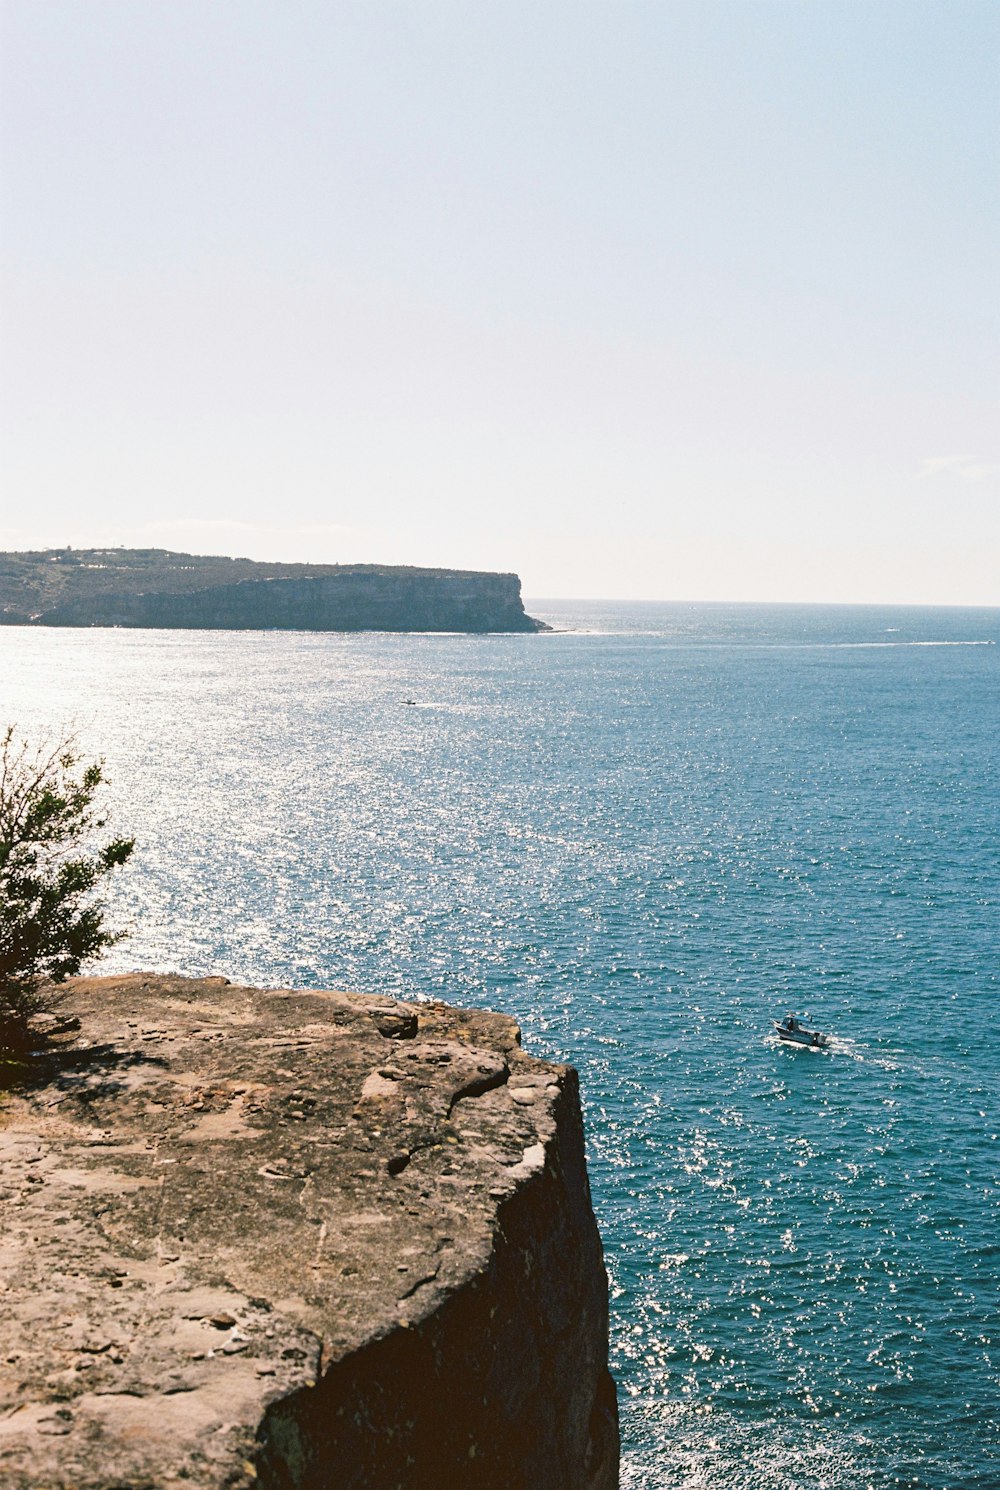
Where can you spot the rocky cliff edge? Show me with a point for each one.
(286, 1239)
(158, 588)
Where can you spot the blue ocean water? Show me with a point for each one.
(646, 835)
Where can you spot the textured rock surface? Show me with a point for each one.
(297, 1240)
(153, 587)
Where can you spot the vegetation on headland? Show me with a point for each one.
(52, 919)
(34, 582)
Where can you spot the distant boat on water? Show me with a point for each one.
(792, 1030)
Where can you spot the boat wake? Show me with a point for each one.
(854, 1051)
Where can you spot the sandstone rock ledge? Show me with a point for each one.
(297, 1240)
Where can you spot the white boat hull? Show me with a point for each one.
(800, 1036)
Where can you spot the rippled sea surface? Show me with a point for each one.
(646, 836)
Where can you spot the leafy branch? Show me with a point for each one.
(51, 919)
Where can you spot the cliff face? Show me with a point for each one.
(375, 602)
(155, 588)
(293, 1240)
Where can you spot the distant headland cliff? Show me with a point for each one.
(154, 587)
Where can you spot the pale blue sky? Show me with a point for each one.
(665, 300)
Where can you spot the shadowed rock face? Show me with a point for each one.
(156, 588)
(297, 1240)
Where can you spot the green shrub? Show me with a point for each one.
(51, 918)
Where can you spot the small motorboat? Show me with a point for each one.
(795, 1032)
